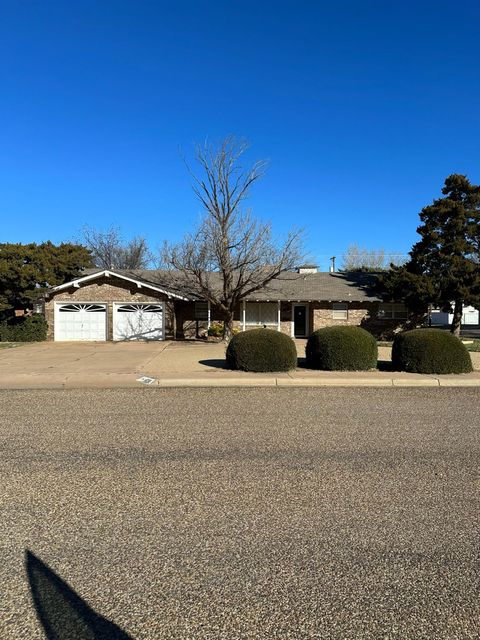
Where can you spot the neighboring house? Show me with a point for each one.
(150, 304)
(470, 317)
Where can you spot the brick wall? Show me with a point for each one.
(321, 314)
(107, 290)
(179, 316)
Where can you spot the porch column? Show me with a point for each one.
(292, 322)
(244, 314)
(278, 316)
(208, 315)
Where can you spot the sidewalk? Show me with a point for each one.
(182, 364)
(297, 378)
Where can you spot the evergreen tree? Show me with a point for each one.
(26, 270)
(444, 266)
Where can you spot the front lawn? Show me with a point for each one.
(9, 345)
(474, 345)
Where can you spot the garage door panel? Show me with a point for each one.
(80, 321)
(138, 322)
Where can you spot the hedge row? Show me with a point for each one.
(24, 329)
(349, 349)
(331, 349)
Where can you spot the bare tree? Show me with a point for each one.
(109, 251)
(360, 259)
(231, 254)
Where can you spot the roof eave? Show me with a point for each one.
(109, 273)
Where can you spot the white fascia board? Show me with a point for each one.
(107, 274)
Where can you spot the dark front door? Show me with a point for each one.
(300, 321)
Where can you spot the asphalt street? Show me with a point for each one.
(240, 513)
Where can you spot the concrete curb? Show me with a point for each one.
(132, 381)
(323, 382)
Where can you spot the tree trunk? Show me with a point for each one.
(228, 327)
(457, 318)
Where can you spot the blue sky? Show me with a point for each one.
(362, 108)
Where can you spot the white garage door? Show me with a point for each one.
(80, 321)
(140, 321)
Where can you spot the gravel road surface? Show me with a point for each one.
(254, 513)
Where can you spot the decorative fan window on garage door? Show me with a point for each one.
(80, 321)
(89, 308)
(146, 308)
(138, 321)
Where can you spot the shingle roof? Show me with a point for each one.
(322, 286)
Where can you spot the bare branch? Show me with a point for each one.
(109, 251)
(230, 255)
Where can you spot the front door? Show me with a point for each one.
(300, 321)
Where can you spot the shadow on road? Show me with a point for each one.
(62, 613)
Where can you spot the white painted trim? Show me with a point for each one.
(244, 314)
(307, 318)
(58, 303)
(259, 324)
(159, 303)
(209, 315)
(107, 273)
(278, 318)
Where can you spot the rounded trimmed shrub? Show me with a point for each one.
(342, 349)
(430, 351)
(261, 350)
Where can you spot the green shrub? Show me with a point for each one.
(430, 351)
(342, 349)
(261, 350)
(215, 329)
(24, 329)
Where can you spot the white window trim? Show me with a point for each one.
(245, 323)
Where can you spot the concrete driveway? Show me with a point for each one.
(80, 357)
(120, 364)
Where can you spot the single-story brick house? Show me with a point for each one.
(150, 304)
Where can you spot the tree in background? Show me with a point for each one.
(361, 259)
(110, 251)
(26, 270)
(230, 254)
(444, 265)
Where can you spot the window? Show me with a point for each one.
(340, 311)
(201, 310)
(261, 313)
(392, 311)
